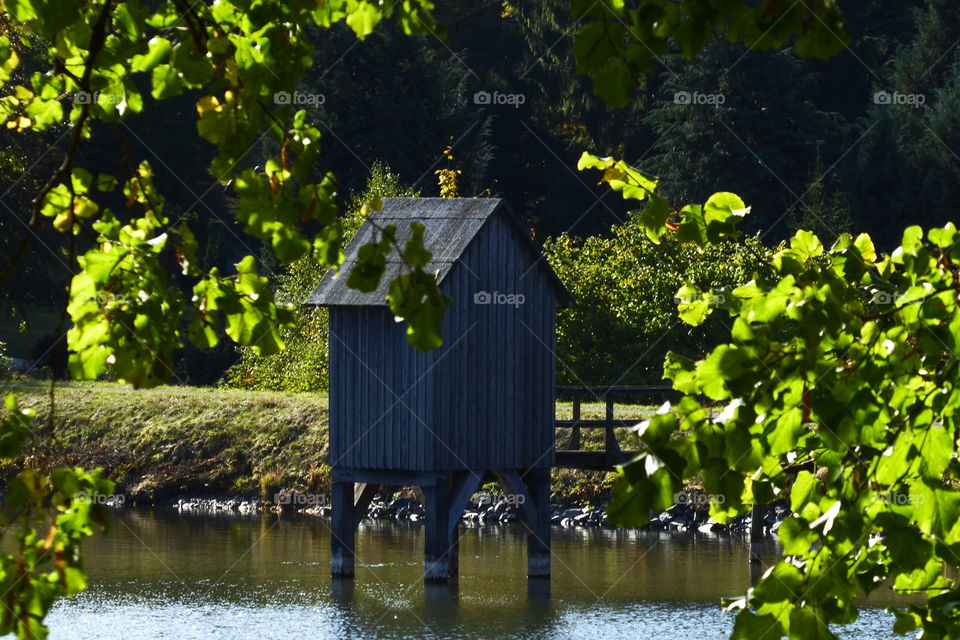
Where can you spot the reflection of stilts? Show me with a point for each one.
(342, 592)
(440, 604)
(538, 594)
(445, 496)
(756, 538)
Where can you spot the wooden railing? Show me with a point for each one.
(571, 455)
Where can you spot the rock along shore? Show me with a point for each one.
(690, 515)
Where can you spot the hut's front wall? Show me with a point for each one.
(380, 393)
(482, 401)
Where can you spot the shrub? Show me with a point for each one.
(625, 287)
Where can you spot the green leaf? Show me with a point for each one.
(864, 245)
(44, 113)
(363, 19)
(590, 161)
(725, 364)
(414, 252)
(783, 582)
(693, 227)
(796, 538)
(613, 83)
(693, 306)
(936, 511)
(750, 626)
(654, 218)
(806, 245)
(166, 81)
(106, 183)
(159, 49)
(807, 623)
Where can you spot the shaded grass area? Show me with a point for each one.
(173, 441)
(170, 442)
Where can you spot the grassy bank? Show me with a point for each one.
(164, 442)
(176, 441)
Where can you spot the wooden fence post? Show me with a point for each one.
(609, 440)
(574, 443)
(756, 535)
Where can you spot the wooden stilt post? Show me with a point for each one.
(538, 541)
(436, 543)
(343, 530)
(464, 484)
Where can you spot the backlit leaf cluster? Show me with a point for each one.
(840, 388)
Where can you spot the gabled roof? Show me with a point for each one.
(451, 225)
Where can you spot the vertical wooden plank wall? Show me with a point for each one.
(489, 398)
(335, 423)
(495, 388)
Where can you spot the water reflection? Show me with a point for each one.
(168, 575)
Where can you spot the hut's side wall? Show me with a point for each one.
(495, 376)
(381, 396)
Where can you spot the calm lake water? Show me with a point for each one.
(160, 574)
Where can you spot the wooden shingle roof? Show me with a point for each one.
(451, 225)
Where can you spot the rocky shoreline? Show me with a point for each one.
(688, 516)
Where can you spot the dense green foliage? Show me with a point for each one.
(127, 312)
(625, 320)
(303, 365)
(841, 383)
